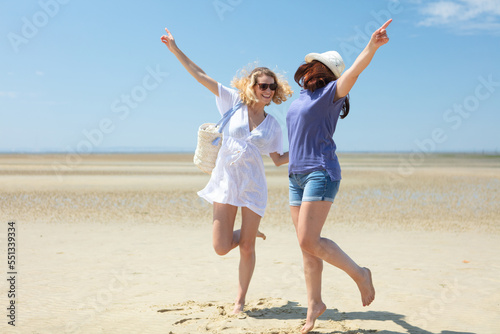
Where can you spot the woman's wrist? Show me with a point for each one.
(174, 49)
(372, 47)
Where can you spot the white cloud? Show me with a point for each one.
(40, 73)
(463, 16)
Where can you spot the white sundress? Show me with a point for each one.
(238, 177)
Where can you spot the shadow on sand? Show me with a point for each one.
(292, 311)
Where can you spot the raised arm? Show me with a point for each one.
(348, 79)
(190, 66)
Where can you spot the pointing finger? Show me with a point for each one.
(386, 24)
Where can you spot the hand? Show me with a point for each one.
(350, 76)
(379, 37)
(169, 40)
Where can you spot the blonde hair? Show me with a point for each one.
(245, 82)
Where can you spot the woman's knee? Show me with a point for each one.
(247, 248)
(222, 248)
(308, 244)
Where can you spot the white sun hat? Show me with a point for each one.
(331, 59)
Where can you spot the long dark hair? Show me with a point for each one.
(314, 75)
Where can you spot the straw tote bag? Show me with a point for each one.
(209, 141)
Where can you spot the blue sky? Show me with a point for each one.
(93, 76)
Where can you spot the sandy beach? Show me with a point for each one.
(122, 244)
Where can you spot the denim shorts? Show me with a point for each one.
(315, 186)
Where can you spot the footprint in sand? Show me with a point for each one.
(170, 310)
(184, 320)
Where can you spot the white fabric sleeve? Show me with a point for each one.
(227, 98)
(276, 142)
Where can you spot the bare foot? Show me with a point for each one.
(366, 288)
(261, 235)
(238, 307)
(312, 314)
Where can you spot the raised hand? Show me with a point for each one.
(379, 37)
(169, 40)
(189, 65)
(348, 79)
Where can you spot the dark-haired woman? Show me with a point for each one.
(314, 170)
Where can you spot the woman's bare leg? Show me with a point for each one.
(223, 237)
(313, 270)
(309, 219)
(312, 217)
(249, 229)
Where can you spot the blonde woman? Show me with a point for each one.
(238, 179)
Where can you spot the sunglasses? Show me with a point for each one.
(264, 86)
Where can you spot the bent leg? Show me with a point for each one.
(313, 270)
(249, 229)
(223, 237)
(311, 219)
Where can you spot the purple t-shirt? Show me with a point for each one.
(311, 122)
